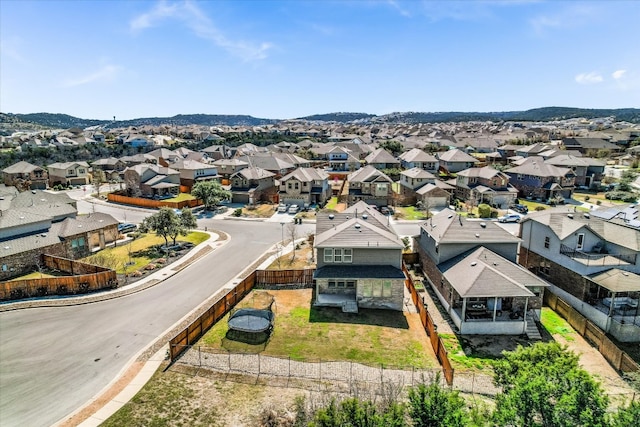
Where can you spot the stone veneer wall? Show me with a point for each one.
(568, 280)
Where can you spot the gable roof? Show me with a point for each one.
(482, 273)
(486, 172)
(417, 155)
(354, 232)
(306, 175)
(418, 173)
(456, 155)
(536, 166)
(253, 172)
(380, 156)
(617, 280)
(368, 174)
(448, 227)
(21, 167)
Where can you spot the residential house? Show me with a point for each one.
(588, 171)
(305, 187)
(531, 150)
(340, 159)
(138, 159)
(111, 168)
(68, 173)
(592, 263)
(217, 152)
(410, 181)
(271, 162)
(169, 156)
(148, 180)
(134, 140)
(590, 146)
(252, 184)
(454, 161)
(535, 179)
(370, 185)
(628, 214)
(435, 195)
(485, 185)
(381, 159)
(359, 260)
(25, 176)
(471, 266)
(192, 171)
(228, 167)
(34, 223)
(417, 158)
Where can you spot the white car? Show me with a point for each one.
(282, 208)
(293, 209)
(510, 218)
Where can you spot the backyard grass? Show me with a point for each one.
(302, 259)
(410, 213)
(181, 198)
(556, 325)
(259, 211)
(332, 204)
(305, 333)
(116, 257)
(461, 361)
(35, 275)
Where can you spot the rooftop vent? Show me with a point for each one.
(44, 235)
(450, 216)
(21, 217)
(33, 191)
(473, 264)
(483, 224)
(477, 235)
(586, 215)
(365, 216)
(331, 216)
(570, 216)
(357, 226)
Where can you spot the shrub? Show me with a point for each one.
(598, 202)
(586, 198)
(540, 208)
(237, 212)
(484, 211)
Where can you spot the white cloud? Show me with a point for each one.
(573, 16)
(402, 11)
(618, 74)
(589, 78)
(191, 16)
(106, 73)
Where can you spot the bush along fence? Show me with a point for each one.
(429, 327)
(79, 278)
(596, 336)
(149, 203)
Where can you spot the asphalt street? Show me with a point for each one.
(53, 360)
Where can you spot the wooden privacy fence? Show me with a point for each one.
(84, 278)
(275, 278)
(430, 328)
(592, 333)
(153, 204)
(217, 311)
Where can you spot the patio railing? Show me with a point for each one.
(598, 258)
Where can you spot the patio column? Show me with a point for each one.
(610, 315)
(464, 310)
(524, 314)
(495, 307)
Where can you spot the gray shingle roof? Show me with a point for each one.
(536, 166)
(482, 273)
(448, 227)
(368, 174)
(306, 175)
(456, 155)
(358, 272)
(617, 280)
(21, 167)
(418, 173)
(417, 155)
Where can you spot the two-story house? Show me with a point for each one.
(112, 169)
(192, 171)
(148, 180)
(228, 167)
(25, 176)
(341, 160)
(370, 185)
(454, 161)
(359, 260)
(68, 173)
(588, 171)
(471, 266)
(485, 185)
(413, 180)
(252, 184)
(592, 263)
(417, 158)
(535, 179)
(305, 187)
(382, 159)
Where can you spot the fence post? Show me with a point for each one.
(258, 364)
(289, 376)
(199, 356)
(320, 369)
(381, 373)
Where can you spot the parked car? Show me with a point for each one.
(519, 208)
(509, 218)
(386, 210)
(282, 208)
(126, 227)
(293, 209)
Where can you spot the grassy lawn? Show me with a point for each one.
(410, 213)
(259, 211)
(475, 361)
(306, 333)
(595, 198)
(34, 275)
(140, 253)
(180, 198)
(332, 203)
(556, 325)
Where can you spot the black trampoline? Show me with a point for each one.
(251, 320)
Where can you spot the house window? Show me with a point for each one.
(367, 290)
(520, 177)
(580, 244)
(297, 185)
(347, 255)
(386, 288)
(547, 242)
(351, 283)
(289, 185)
(80, 170)
(544, 269)
(377, 290)
(340, 283)
(332, 283)
(328, 254)
(4, 267)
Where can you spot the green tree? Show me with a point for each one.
(484, 211)
(186, 222)
(394, 147)
(353, 412)
(627, 416)
(543, 385)
(211, 193)
(164, 223)
(431, 405)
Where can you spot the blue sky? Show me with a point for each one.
(287, 59)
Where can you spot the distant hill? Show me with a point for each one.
(338, 117)
(37, 121)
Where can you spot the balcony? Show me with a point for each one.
(595, 259)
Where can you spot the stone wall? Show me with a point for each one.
(568, 280)
(27, 262)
